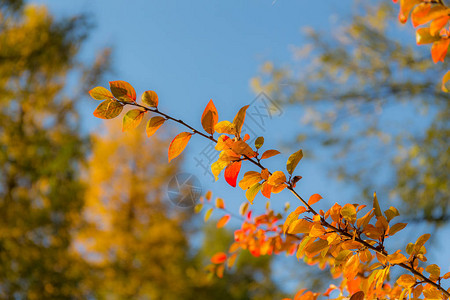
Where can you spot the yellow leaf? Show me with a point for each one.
(269, 153)
(376, 206)
(239, 119)
(300, 226)
(249, 179)
(445, 79)
(153, 125)
(100, 93)
(396, 228)
(150, 98)
(276, 178)
(243, 208)
(396, 258)
(210, 117)
(433, 270)
(132, 119)
(251, 192)
(208, 214)
(198, 208)
(420, 242)
(293, 161)
(406, 280)
(348, 211)
(259, 142)
(178, 144)
(316, 247)
(219, 203)
(306, 241)
(225, 127)
(108, 109)
(123, 91)
(391, 213)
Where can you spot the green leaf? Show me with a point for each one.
(132, 119)
(153, 125)
(259, 142)
(251, 192)
(100, 93)
(150, 98)
(123, 91)
(108, 109)
(239, 119)
(293, 161)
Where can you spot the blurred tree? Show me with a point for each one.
(137, 242)
(372, 100)
(41, 195)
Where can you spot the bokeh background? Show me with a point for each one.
(84, 207)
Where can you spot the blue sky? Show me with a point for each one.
(192, 51)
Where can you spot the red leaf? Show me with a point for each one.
(219, 258)
(223, 221)
(232, 172)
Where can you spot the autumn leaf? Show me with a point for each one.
(243, 208)
(259, 142)
(208, 214)
(108, 109)
(223, 221)
(276, 178)
(376, 206)
(269, 153)
(220, 203)
(210, 117)
(424, 36)
(132, 119)
(437, 24)
(225, 127)
(314, 199)
(266, 190)
(232, 172)
(406, 280)
(239, 119)
(123, 91)
(293, 161)
(357, 296)
(150, 98)
(348, 211)
(178, 144)
(100, 93)
(249, 179)
(153, 125)
(439, 50)
(219, 258)
(252, 192)
(445, 79)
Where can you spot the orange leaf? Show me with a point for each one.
(132, 119)
(406, 280)
(122, 90)
(266, 190)
(293, 160)
(220, 204)
(445, 79)
(439, 50)
(108, 109)
(314, 199)
(396, 258)
(437, 24)
(239, 119)
(232, 172)
(396, 228)
(269, 153)
(223, 221)
(150, 98)
(219, 258)
(276, 178)
(250, 178)
(178, 144)
(153, 125)
(210, 117)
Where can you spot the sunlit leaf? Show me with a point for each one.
(406, 280)
(208, 214)
(198, 208)
(300, 226)
(396, 258)
(122, 90)
(266, 190)
(424, 13)
(153, 125)
(252, 192)
(269, 153)
(423, 36)
(243, 208)
(178, 144)
(259, 142)
(225, 127)
(306, 241)
(100, 93)
(348, 211)
(219, 258)
(376, 206)
(249, 179)
(433, 270)
(150, 98)
(220, 203)
(437, 24)
(132, 119)
(232, 172)
(445, 79)
(108, 109)
(420, 242)
(223, 221)
(439, 50)
(293, 161)
(210, 117)
(239, 119)
(276, 178)
(314, 199)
